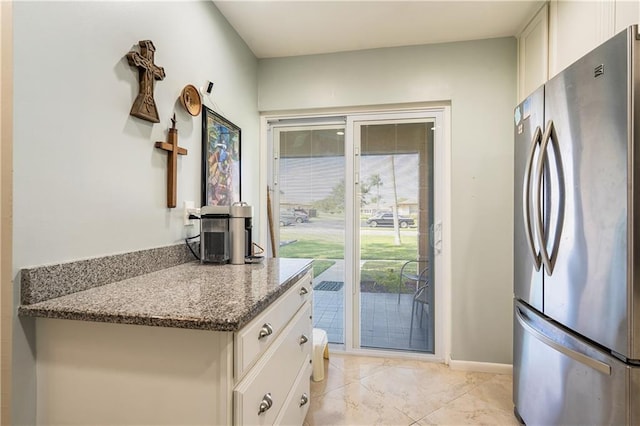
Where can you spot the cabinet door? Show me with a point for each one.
(533, 54)
(627, 13)
(577, 27)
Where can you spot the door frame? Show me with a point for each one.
(6, 208)
(443, 132)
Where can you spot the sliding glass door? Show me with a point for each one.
(360, 195)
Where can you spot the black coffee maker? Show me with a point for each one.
(215, 241)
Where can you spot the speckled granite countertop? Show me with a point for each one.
(190, 295)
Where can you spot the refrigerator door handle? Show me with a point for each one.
(526, 198)
(549, 136)
(577, 356)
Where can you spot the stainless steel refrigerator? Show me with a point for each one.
(576, 350)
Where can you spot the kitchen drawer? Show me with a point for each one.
(273, 377)
(254, 339)
(297, 403)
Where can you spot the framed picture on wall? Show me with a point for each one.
(220, 160)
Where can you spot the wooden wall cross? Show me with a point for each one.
(145, 106)
(173, 150)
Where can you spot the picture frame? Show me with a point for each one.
(221, 140)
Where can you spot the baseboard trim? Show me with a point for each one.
(481, 367)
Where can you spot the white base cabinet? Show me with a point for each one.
(261, 395)
(116, 374)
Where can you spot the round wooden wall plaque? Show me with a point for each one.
(190, 99)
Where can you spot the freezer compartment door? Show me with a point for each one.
(559, 379)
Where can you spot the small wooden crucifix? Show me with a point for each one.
(172, 148)
(145, 106)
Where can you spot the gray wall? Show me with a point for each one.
(479, 79)
(88, 180)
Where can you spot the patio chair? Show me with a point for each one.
(421, 301)
(416, 271)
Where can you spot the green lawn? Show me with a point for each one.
(314, 249)
(320, 265)
(385, 274)
(382, 247)
(383, 259)
(373, 247)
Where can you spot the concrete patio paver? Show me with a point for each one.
(385, 323)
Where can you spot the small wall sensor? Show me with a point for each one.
(206, 90)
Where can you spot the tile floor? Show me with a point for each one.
(384, 391)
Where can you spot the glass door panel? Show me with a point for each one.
(395, 181)
(309, 200)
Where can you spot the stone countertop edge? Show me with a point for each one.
(185, 296)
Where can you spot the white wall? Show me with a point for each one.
(88, 180)
(479, 78)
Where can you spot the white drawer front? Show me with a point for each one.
(254, 339)
(297, 404)
(274, 374)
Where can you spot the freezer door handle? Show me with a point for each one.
(526, 198)
(577, 356)
(549, 139)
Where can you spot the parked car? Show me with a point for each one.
(301, 216)
(286, 218)
(286, 221)
(386, 219)
(297, 216)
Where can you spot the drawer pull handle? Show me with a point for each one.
(266, 330)
(304, 399)
(303, 339)
(303, 291)
(266, 403)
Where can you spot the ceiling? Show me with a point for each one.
(273, 28)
